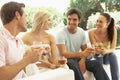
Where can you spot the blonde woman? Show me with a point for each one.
(38, 34)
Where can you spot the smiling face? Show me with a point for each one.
(73, 21)
(102, 22)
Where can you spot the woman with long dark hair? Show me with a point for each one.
(105, 34)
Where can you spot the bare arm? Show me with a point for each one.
(63, 50)
(91, 38)
(54, 56)
(9, 72)
(25, 38)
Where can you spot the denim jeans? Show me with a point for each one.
(97, 69)
(73, 64)
(112, 60)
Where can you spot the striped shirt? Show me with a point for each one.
(11, 50)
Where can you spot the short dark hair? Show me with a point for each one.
(8, 10)
(74, 11)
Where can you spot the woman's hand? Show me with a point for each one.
(53, 60)
(54, 66)
(100, 51)
(62, 62)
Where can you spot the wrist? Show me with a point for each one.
(27, 60)
(83, 55)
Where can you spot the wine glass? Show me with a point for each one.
(37, 46)
(99, 57)
(100, 46)
(93, 46)
(62, 61)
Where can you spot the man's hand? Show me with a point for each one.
(88, 52)
(33, 55)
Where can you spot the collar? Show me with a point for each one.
(7, 33)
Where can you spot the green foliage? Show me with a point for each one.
(118, 38)
(88, 7)
(56, 16)
(112, 5)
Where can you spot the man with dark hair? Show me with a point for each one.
(70, 41)
(12, 62)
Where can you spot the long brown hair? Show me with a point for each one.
(110, 29)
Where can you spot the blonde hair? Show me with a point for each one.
(39, 18)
